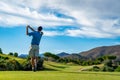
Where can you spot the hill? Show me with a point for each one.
(23, 55)
(101, 51)
(63, 54)
(11, 57)
(74, 57)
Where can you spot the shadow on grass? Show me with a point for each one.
(49, 69)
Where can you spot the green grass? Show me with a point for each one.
(57, 71)
(64, 67)
(57, 75)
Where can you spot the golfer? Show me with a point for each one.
(34, 49)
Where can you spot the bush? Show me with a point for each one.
(40, 64)
(5, 58)
(117, 69)
(95, 68)
(27, 66)
(13, 65)
(107, 69)
(2, 65)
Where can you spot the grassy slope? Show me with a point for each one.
(12, 57)
(57, 71)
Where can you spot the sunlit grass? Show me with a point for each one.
(57, 75)
(20, 60)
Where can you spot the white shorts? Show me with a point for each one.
(34, 51)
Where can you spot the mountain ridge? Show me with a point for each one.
(102, 51)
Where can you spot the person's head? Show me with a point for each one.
(40, 28)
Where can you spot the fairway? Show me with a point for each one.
(57, 75)
(57, 71)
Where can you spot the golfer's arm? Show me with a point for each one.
(31, 28)
(26, 30)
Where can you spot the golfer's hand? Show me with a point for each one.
(42, 33)
(28, 26)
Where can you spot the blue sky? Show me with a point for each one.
(67, 27)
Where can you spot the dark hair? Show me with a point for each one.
(40, 28)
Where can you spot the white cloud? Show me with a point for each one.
(52, 33)
(102, 29)
(29, 16)
(88, 33)
(94, 18)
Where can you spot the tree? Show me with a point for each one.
(112, 57)
(108, 65)
(47, 54)
(16, 54)
(10, 54)
(1, 51)
(51, 56)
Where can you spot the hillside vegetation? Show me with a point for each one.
(59, 71)
(11, 63)
(12, 57)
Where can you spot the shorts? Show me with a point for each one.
(34, 51)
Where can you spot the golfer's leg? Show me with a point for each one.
(32, 62)
(31, 54)
(36, 56)
(35, 61)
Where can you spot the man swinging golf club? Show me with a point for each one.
(34, 49)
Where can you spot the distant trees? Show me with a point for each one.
(1, 51)
(109, 64)
(15, 54)
(50, 56)
(47, 54)
(87, 62)
(10, 53)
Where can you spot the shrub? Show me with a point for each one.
(2, 65)
(107, 69)
(13, 65)
(27, 65)
(40, 64)
(6, 58)
(95, 68)
(117, 69)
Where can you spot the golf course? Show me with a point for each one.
(57, 71)
(57, 75)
